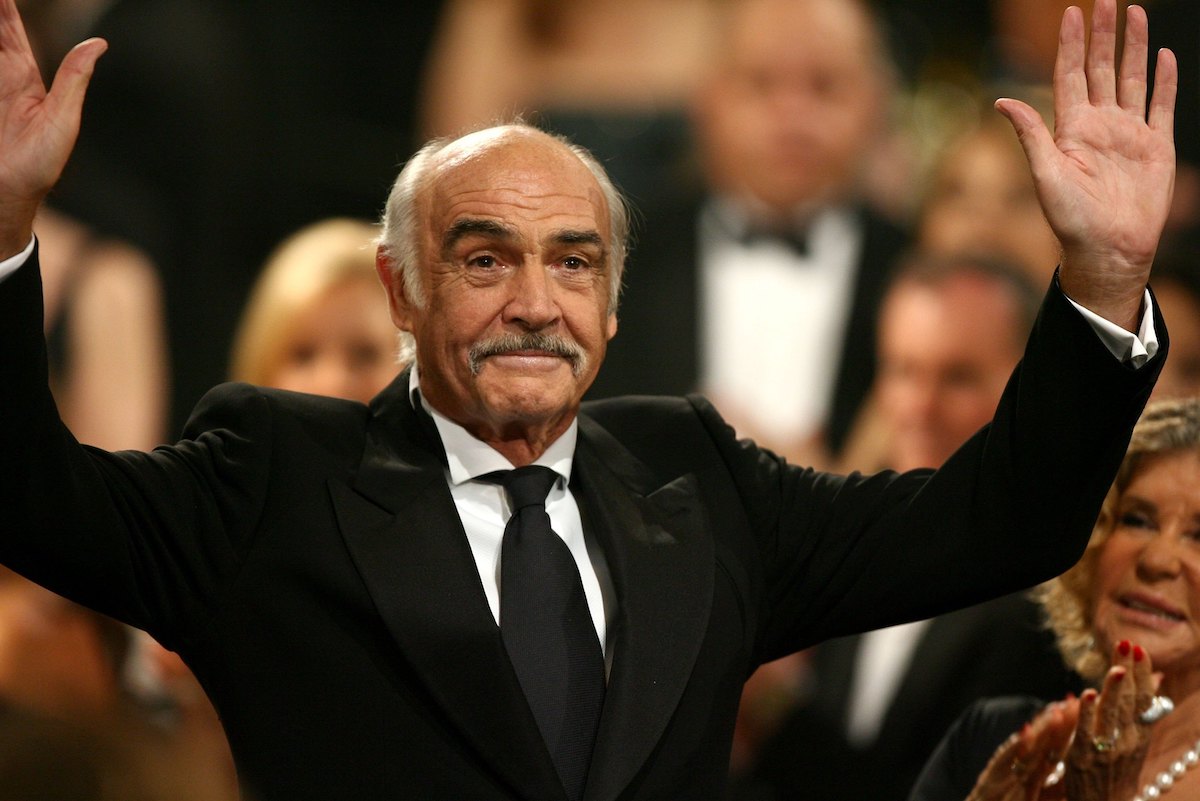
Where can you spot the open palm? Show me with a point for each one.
(37, 128)
(1106, 175)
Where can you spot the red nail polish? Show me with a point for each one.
(1138, 653)
(1123, 648)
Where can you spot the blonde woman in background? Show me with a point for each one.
(317, 319)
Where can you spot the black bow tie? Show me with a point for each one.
(794, 240)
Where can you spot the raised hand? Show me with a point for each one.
(37, 128)
(1106, 176)
(1019, 768)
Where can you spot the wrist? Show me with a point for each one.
(16, 227)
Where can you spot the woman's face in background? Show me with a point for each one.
(343, 345)
(982, 201)
(1147, 583)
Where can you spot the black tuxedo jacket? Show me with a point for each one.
(658, 349)
(304, 556)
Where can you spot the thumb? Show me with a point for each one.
(1031, 130)
(65, 99)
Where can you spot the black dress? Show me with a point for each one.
(952, 771)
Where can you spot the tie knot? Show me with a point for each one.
(526, 486)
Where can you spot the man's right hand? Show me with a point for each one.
(37, 128)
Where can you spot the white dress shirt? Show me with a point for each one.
(773, 320)
(483, 508)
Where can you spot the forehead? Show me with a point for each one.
(1173, 470)
(810, 34)
(521, 179)
(964, 313)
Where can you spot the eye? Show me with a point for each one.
(1134, 519)
(575, 263)
(301, 354)
(485, 261)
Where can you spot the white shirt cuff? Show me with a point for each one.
(1133, 349)
(13, 263)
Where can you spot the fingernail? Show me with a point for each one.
(1138, 653)
(1123, 648)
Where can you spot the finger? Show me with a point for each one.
(1109, 708)
(1085, 727)
(1143, 680)
(1101, 53)
(12, 31)
(1166, 85)
(1131, 89)
(65, 99)
(1070, 83)
(1031, 130)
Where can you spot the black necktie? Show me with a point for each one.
(547, 628)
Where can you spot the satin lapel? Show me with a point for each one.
(660, 552)
(407, 542)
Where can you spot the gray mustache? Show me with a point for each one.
(552, 344)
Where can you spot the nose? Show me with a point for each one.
(1160, 558)
(533, 303)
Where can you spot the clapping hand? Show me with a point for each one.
(1105, 177)
(37, 128)
(1112, 737)
(1019, 768)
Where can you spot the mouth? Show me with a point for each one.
(1149, 610)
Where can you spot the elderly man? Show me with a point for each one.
(477, 588)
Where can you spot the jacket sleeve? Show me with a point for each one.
(143, 537)
(1013, 507)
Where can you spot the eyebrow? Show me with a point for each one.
(466, 227)
(576, 237)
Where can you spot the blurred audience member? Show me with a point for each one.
(1177, 290)
(111, 756)
(950, 332)
(106, 336)
(1025, 37)
(317, 319)
(981, 200)
(612, 75)
(761, 288)
(57, 658)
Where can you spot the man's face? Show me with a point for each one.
(790, 112)
(514, 244)
(945, 355)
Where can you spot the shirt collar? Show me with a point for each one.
(468, 458)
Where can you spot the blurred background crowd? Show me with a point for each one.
(838, 241)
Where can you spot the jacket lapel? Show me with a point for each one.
(407, 542)
(660, 553)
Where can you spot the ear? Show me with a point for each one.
(611, 329)
(393, 284)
